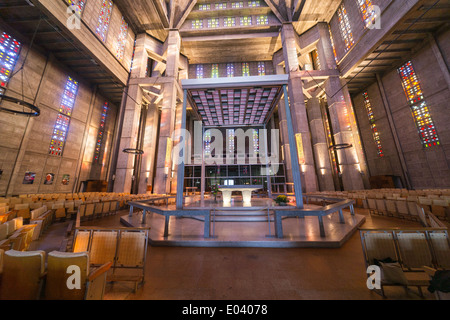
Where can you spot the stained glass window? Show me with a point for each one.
(367, 11)
(9, 54)
(419, 109)
(78, 3)
(215, 70)
(260, 20)
(332, 44)
(230, 70)
(63, 120)
(315, 60)
(255, 141)
(245, 70)
(207, 140)
(221, 5)
(68, 99)
(246, 21)
(104, 19)
(373, 126)
(122, 40)
(231, 136)
(101, 132)
(254, 4)
(344, 25)
(199, 71)
(239, 4)
(213, 23)
(261, 69)
(197, 24)
(204, 7)
(229, 22)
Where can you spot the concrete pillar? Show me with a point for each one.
(351, 161)
(149, 147)
(130, 131)
(298, 108)
(167, 124)
(320, 145)
(130, 127)
(283, 133)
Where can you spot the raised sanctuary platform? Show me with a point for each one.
(238, 225)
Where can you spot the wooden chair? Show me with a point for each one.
(413, 213)
(391, 209)
(23, 275)
(89, 212)
(441, 248)
(23, 210)
(381, 207)
(372, 204)
(402, 209)
(92, 280)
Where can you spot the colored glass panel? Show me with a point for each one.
(239, 4)
(104, 19)
(367, 11)
(213, 23)
(101, 132)
(63, 120)
(245, 70)
(255, 141)
(261, 69)
(246, 21)
(122, 40)
(373, 126)
(221, 5)
(78, 3)
(261, 20)
(344, 25)
(230, 70)
(199, 71)
(229, 22)
(207, 141)
(204, 7)
(419, 108)
(197, 24)
(254, 4)
(215, 70)
(9, 54)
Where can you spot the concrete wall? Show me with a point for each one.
(427, 167)
(24, 142)
(90, 17)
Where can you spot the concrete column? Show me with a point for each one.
(167, 124)
(149, 147)
(297, 106)
(283, 133)
(340, 115)
(130, 132)
(351, 161)
(320, 145)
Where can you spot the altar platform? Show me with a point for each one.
(240, 225)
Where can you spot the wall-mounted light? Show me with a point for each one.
(322, 171)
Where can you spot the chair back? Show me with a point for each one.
(22, 275)
(60, 273)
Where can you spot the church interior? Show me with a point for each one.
(224, 150)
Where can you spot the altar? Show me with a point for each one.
(246, 191)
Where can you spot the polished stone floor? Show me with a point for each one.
(246, 227)
(193, 273)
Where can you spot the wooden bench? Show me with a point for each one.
(319, 213)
